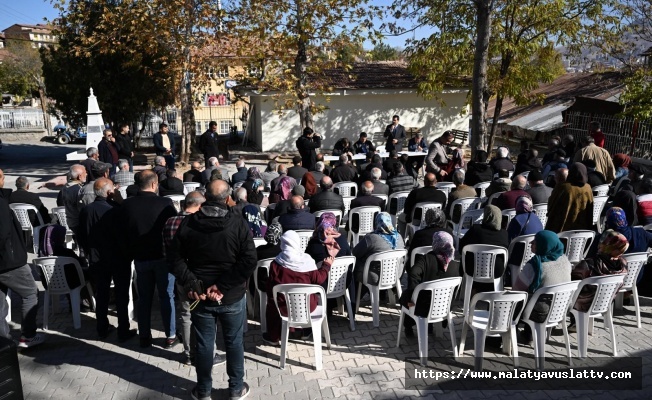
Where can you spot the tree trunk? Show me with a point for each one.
(494, 123)
(187, 120)
(47, 124)
(300, 66)
(479, 91)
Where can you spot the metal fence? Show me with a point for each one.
(156, 117)
(622, 135)
(23, 118)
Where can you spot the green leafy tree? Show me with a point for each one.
(637, 96)
(286, 40)
(506, 45)
(385, 52)
(169, 41)
(21, 73)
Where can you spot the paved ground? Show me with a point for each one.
(361, 364)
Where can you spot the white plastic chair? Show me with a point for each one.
(382, 196)
(598, 205)
(346, 189)
(336, 284)
(498, 320)
(259, 241)
(397, 202)
(508, 215)
(262, 292)
(191, 186)
(483, 271)
(418, 220)
(463, 205)
(559, 305)
(480, 188)
(21, 211)
(442, 291)
(176, 199)
(600, 190)
(391, 269)
(416, 251)
(347, 207)
(297, 299)
(445, 187)
(8, 297)
(304, 235)
(52, 269)
(337, 213)
(516, 269)
(635, 261)
(577, 244)
(365, 225)
(606, 288)
(468, 219)
(542, 212)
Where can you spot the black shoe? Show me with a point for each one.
(107, 332)
(430, 328)
(270, 342)
(171, 342)
(196, 396)
(444, 324)
(409, 333)
(218, 360)
(187, 360)
(126, 336)
(145, 342)
(244, 392)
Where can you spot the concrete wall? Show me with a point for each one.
(351, 112)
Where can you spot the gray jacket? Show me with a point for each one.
(436, 156)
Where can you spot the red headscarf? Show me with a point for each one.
(622, 160)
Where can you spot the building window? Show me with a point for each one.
(198, 127)
(218, 73)
(225, 126)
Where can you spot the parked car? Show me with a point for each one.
(65, 136)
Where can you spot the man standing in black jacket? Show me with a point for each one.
(109, 151)
(15, 274)
(97, 237)
(395, 134)
(213, 256)
(208, 143)
(124, 143)
(143, 217)
(306, 145)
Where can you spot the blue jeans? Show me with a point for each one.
(204, 319)
(154, 274)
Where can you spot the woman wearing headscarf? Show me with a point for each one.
(549, 266)
(384, 237)
(254, 185)
(608, 261)
(526, 221)
(622, 163)
(435, 222)
(431, 266)
(251, 214)
(273, 238)
(291, 266)
(638, 238)
(570, 206)
(283, 190)
(529, 163)
(308, 182)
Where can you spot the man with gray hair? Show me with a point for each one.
(507, 199)
(297, 216)
(366, 198)
(213, 257)
(241, 174)
(87, 193)
(160, 168)
(327, 199)
(344, 172)
(269, 174)
(240, 198)
(214, 164)
(318, 172)
(501, 161)
(461, 191)
(123, 177)
(375, 177)
(98, 238)
(93, 156)
(69, 196)
(23, 195)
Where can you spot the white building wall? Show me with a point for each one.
(351, 112)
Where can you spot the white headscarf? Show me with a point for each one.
(292, 256)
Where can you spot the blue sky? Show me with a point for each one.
(35, 11)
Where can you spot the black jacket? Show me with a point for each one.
(253, 196)
(392, 133)
(297, 219)
(158, 143)
(143, 217)
(429, 194)
(23, 196)
(427, 267)
(95, 232)
(88, 164)
(208, 144)
(306, 147)
(326, 201)
(366, 147)
(13, 253)
(104, 149)
(170, 186)
(124, 145)
(192, 175)
(368, 200)
(215, 246)
(239, 176)
(297, 172)
(477, 172)
(343, 173)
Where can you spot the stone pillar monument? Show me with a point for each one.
(94, 128)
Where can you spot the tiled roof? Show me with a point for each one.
(373, 75)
